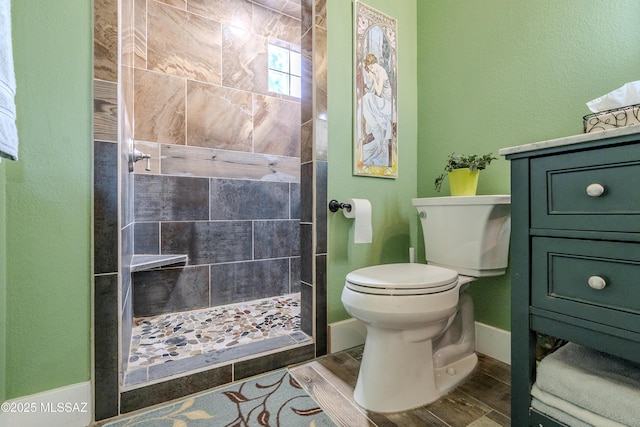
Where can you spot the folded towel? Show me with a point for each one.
(8, 131)
(557, 414)
(567, 412)
(598, 382)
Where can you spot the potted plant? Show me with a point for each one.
(463, 171)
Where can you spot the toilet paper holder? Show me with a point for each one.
(334, 205)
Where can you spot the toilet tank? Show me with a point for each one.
(469, 234)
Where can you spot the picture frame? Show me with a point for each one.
(375, 150)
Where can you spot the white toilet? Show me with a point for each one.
(420, 328)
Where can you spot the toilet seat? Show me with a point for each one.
(402, 279)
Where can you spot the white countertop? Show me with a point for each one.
(568, 140)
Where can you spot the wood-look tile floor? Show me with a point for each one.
(483, 400)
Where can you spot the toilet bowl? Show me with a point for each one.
(420, 325)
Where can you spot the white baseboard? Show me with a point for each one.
(493, 342)
(68, 406)
(346, 334)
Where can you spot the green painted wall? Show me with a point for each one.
(498, 73)
(3, 284)
(393, 215)
(48, 199)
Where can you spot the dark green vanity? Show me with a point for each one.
(575, 251)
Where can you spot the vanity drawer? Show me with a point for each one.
(560, 186)
(592, 280)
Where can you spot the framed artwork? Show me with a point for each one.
(375, 150)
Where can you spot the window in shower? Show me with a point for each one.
(284, 69)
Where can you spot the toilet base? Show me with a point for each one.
(449, 377)
(405, 381)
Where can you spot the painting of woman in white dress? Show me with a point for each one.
(376, 149)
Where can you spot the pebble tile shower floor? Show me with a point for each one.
(174, 337)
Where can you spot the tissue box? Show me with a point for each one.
(611, 119)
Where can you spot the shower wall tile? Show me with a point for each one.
(276, 239)
(320, 309)
(126, 254)
(306, 308)
(140, 34)
(237, 13)
(180, 4)
(218, 117)
(306, 142)
(307, 77)
(320, 72)
(105, 207)
(197, 161)
(105, 111)
(159, 107)
(171, 198)
(306, 192)
(246, 281)
(321, 207)
(292, 8)
(126, 32)
(105, 40)
(321, 14)
(170, 290)
(244, 60)
(276, 126)
(208, 242)
(306, 11)
(126, 322)
(294, 277)
(294, 201)
(272, 24)
(105, 339)
(306, 253)
(321, 129)
(147, 238)
(233, 199)
(183, 44)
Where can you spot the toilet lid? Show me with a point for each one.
(402, 279)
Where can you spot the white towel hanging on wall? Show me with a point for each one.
(8, 130)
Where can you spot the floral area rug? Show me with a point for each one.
(275, 400)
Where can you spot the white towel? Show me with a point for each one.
(8, 131)
(595, 381)
(567, 412)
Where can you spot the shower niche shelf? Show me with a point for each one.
(149, 262)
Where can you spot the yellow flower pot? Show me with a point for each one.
(463, 182)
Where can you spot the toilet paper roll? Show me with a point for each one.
(361, 213)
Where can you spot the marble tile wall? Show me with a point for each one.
(198, 148)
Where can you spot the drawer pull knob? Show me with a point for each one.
(595, 190)
(597, 282)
